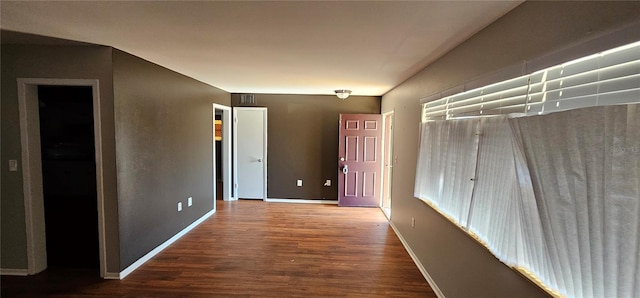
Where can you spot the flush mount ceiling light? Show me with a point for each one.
(342, 93)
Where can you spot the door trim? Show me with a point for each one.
(32, 169)
(387, 139)
(227, 195)
(235, 149)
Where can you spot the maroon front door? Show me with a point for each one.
(359, 160)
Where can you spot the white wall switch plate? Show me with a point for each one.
(179, 206)
(299, 183)
(189, 201)
(13, 165)
(413, 222)
(327, 183)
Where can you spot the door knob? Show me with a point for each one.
(259, 160)
(345, 169)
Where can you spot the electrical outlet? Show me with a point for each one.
(179, 206)
(413, 222)
(299, 183)
(13, 165)
(189, 201)
(327, 183)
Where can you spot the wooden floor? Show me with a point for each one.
(258, 249)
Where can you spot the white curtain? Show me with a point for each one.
(585, 173)
(557, 195)
(493, 217)
(503, 209)
(532, 252)
(446, 165)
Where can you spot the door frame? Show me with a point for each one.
(32, 168)
(235, 149)
(387, 141)
(227, 195)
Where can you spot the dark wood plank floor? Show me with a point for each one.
(258, 249)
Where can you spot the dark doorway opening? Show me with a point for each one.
(69, 176)
(218, 141)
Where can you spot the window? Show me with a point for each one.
(551, 194)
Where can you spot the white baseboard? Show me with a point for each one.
(18, 272)
(157, 250)
(111, 275)
(415, 259)
(301, 201)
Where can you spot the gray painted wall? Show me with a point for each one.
(459, 265)
(160, 122)
(66, 62)
(303, 141)
(164, 145)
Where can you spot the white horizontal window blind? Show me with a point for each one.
(607, 78)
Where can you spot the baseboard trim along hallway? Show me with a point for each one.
(415, 259)
(158, 249)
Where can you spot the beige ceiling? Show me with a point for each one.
(292, 47)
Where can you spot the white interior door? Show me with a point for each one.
(250, 152)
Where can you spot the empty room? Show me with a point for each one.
(320, 148)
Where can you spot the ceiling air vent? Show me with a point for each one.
(248, 99)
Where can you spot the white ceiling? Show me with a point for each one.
(299, 47)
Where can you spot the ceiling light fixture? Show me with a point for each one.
(342, 93)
